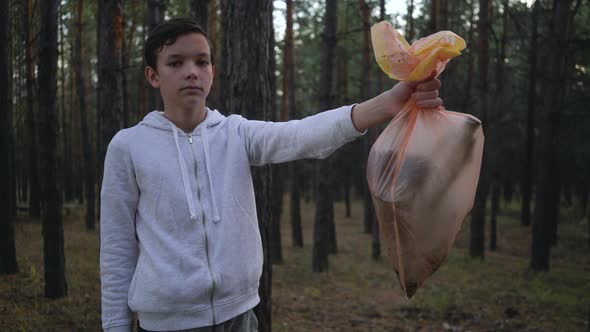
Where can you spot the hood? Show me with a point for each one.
(156, 119)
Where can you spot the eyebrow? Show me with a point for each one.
(173, 56)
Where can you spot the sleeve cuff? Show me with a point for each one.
(346, 126)
(120, 328)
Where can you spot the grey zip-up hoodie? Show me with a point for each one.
(179, 234)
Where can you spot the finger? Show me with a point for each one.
(425, 95)
(429, 78)
(430, 103)
(430, 85)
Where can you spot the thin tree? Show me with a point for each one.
(324, 200)
(477, 227)
(65, 162)
(376, 243)
(32, 120)
(410, 20)
(8, 263)
(547, 193)
(291, 113)
(53, 238)
(248, 26)
(499, 102)
(365, 91)
(89, 176)
(527, 169)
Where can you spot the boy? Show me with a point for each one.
(179, 233)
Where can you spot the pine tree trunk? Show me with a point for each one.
(365, 92)
(200, 12)
(109, 67)
(324, 199)
(547, 197)
(494, 215)
(477, 234)
(528, 169)
(275, 242)
(296, 232)
(8, 263)
(213, 33)
(65, 161)
(156, 10)
(248, 25)
(295, 166)
(89, 176)
(410, 20)
(32, 119)
(53, 238)
(469, 77)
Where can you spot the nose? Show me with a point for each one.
(192, 72)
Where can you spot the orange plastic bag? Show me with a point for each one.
(424, 168)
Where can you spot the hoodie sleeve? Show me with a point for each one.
(118, 244)
(316, 136)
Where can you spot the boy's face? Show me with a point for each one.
(184, 72)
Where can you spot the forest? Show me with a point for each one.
(72, 76)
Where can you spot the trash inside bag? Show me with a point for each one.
(424, 167)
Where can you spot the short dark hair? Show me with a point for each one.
(166, 33)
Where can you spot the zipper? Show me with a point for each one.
(190, 140)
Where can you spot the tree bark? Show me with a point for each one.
(324, 199)
(547, 197)
(156, 11)
(247, 80)
(8, 263)
(109, 68)
(493, 219)
(200, 12)
(53, 239)
(477, 234)
(89, 176)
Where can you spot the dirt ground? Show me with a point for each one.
(499, 293)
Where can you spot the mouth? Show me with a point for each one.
(191, 88)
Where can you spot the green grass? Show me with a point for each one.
(499, 293)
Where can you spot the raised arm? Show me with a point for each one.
(118, 244)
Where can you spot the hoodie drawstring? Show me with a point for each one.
(205, 142)
(184, 174)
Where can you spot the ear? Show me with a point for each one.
(152, 76)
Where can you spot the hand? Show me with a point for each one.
(424, 92)
(386, 105)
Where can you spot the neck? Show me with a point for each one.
(186, 119)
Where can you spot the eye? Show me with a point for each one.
(202, 62)
(175, 64)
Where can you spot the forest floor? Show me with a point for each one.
(499, 293)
